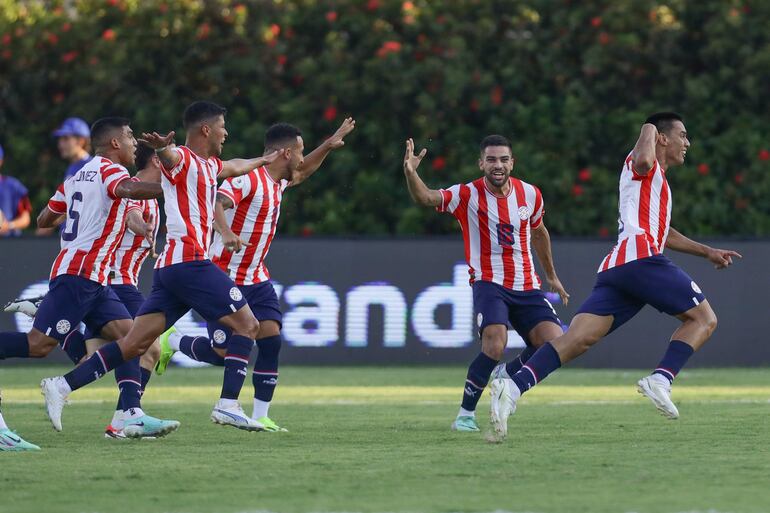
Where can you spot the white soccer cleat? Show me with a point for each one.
(26, 306)
(236, 417)
(503, 405)
(658, 390)
(55, 400)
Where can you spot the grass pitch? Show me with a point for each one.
(378, 439)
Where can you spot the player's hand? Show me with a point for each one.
(721, 258)
(336, 140)
(267, 159)
(157, 141)
(411, 161)
(557, 287)
(5, 227)
(232, 242)
(149, 234)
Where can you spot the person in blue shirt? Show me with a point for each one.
(15, 208)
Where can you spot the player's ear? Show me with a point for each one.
(115, 143)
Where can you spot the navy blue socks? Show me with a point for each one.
(199, 348)
(676, 356)
(265, 375)
(236, 362)
(13, 345)
(514, 365)
(128, 377)
(541, 364)
(100, 363)
(477, 378)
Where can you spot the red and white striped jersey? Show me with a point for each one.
(189, 191)
(496, 231)
(645, 215)
(256, 201)
(134, 249)
(95, 220)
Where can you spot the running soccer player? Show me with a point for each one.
(92, 201)
(633, 274)
(184, 277)
(253, 204)
(501, 219)
(9, 440)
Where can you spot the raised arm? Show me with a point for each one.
(721, 258)
(163, 145)
(49, 219)
(134, 189)
(238, 167)
(316, 157)
(230, 240)
(420, 192)
(643, 154)
(541, 242)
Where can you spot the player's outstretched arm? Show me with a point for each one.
(138, 190)
(420, 192)
(163, 145)
(721, 258)
(541, 241)
(316, 157)
(643, 154)
(49, 219)
(238, 167)
(230, 240)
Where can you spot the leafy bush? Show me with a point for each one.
(570, 83)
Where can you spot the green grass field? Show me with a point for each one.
(377, 439)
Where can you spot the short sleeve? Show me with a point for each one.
(538, 210)
(451, 198)
(181, 166)
(236, 188)
(218, 164)
(58, 202)
(132, 205)
(112, 176)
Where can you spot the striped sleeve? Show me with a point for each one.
(181, 166)
(235, 188)
(58, 202)
(450, 199)
(218, 164)
(134, 205)
(112, 176)
(538, 211)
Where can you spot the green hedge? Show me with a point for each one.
(568, 82)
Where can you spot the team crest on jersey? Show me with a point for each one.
(235, 294)
(695, 287)
(524, 213)
(63, 326)
(479, 319)
(219, 336)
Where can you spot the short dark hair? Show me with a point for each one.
(494, 140)
(663, 121)
(201, 111)
(281, 134)
(102, 129)
(143, 155)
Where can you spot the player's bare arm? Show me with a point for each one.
(230, 240)
(721, 258)
(314, 160)
(238, 167)
(420, 192)
(135, 223)
(541, 242)
(163, 145)
(643, 154)
(138, 190)
(49, 219)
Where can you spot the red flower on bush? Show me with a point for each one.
(738, 178)
(7, 54)
(438, 163)
(497, 95)
(66, 27)
(282, 60)
(584, 174)
(373, 5)
(69, 56)
(58, 97)
(93, 61)
(763, 154)
(330, 113)
(604, 38)
(388, 47)
(741, 203)
(577, 190)
(307, 231)
(474, 105)
(6, 39)
(163, 8)
(596, 21)
(52, 38)
(109, 35)
(275, 29)
(331, 16)
(703, 169)
(204, 29)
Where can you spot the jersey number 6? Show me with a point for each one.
(73, 214)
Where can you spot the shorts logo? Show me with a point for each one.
(63, 327)
(219, 336)
(524, 213)
(479, 319)
(235, 294)
(695, 287)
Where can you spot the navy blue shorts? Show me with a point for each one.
(199, 285)
(522, 311)
(624, 290)
(263, 302)
(72, 300)
(131, 298)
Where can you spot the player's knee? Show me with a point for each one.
(249, 328)
(709, 322)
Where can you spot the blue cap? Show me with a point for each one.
(73, 126)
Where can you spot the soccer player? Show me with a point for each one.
(9, 440)
(92, 201)
(635, 273)
(253, 203)
(501, 219)
(184, 277)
